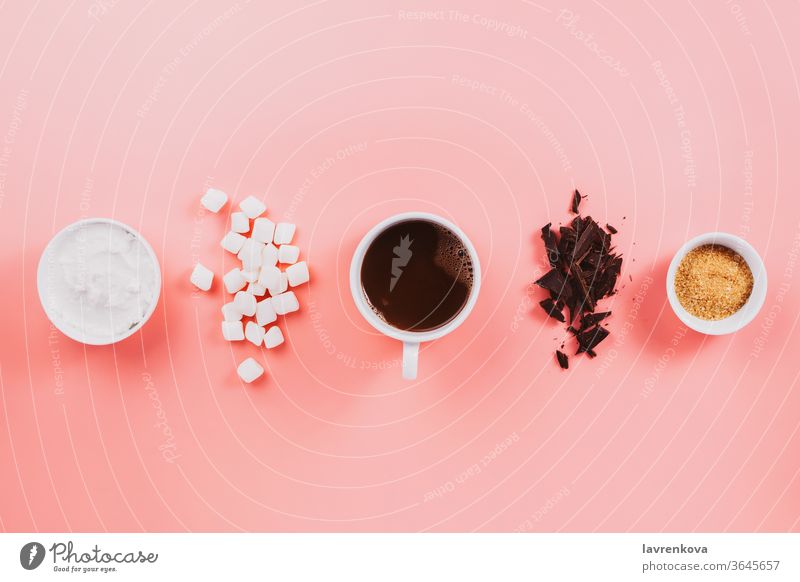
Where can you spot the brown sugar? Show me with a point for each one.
(713, 282)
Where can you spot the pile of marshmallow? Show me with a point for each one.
(261, 246)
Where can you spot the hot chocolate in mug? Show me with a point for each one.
(415, 277)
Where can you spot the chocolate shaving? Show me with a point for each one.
(584, 269)
(576, 201)
(562, 358)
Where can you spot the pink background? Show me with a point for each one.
(675, 118)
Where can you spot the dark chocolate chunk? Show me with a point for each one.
(590, 238)
(553, 280)
(573, 309)
(550, 244)
(611, 229)
(551, 308)
(562, 358)
(589, 339)
(590, 319)
(566, 242)
(576, 201)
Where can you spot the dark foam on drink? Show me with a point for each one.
(453, 256)
(417, 275)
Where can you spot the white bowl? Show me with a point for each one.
(748, 311)
(42, 277)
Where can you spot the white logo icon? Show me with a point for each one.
(402, 254)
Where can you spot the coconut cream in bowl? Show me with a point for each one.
(99, 281)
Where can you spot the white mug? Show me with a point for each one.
(411, 339)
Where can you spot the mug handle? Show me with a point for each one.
(410, 360)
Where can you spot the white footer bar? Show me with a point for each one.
(389, 557)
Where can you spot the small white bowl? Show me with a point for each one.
(748, 311)
(41, 277)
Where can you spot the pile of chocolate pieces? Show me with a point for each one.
(584, 270)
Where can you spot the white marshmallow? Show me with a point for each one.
(254, 333)
(230, 312)
(270, 277)
(201, 277)
(233, 242)
(263, 229)
(265, 312)
(214, 199)
(288, 254)
(233, 281)
(240, 222)
(250, 255)
(252, 207)
(285, 303)
(284, 232)
(297, 273)
(256, 289)
(250, 276)
(245, 303)
(251, 262)
(249, 370)
(233, 331)
(281, 286)
(269, 256)
(273, 337)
